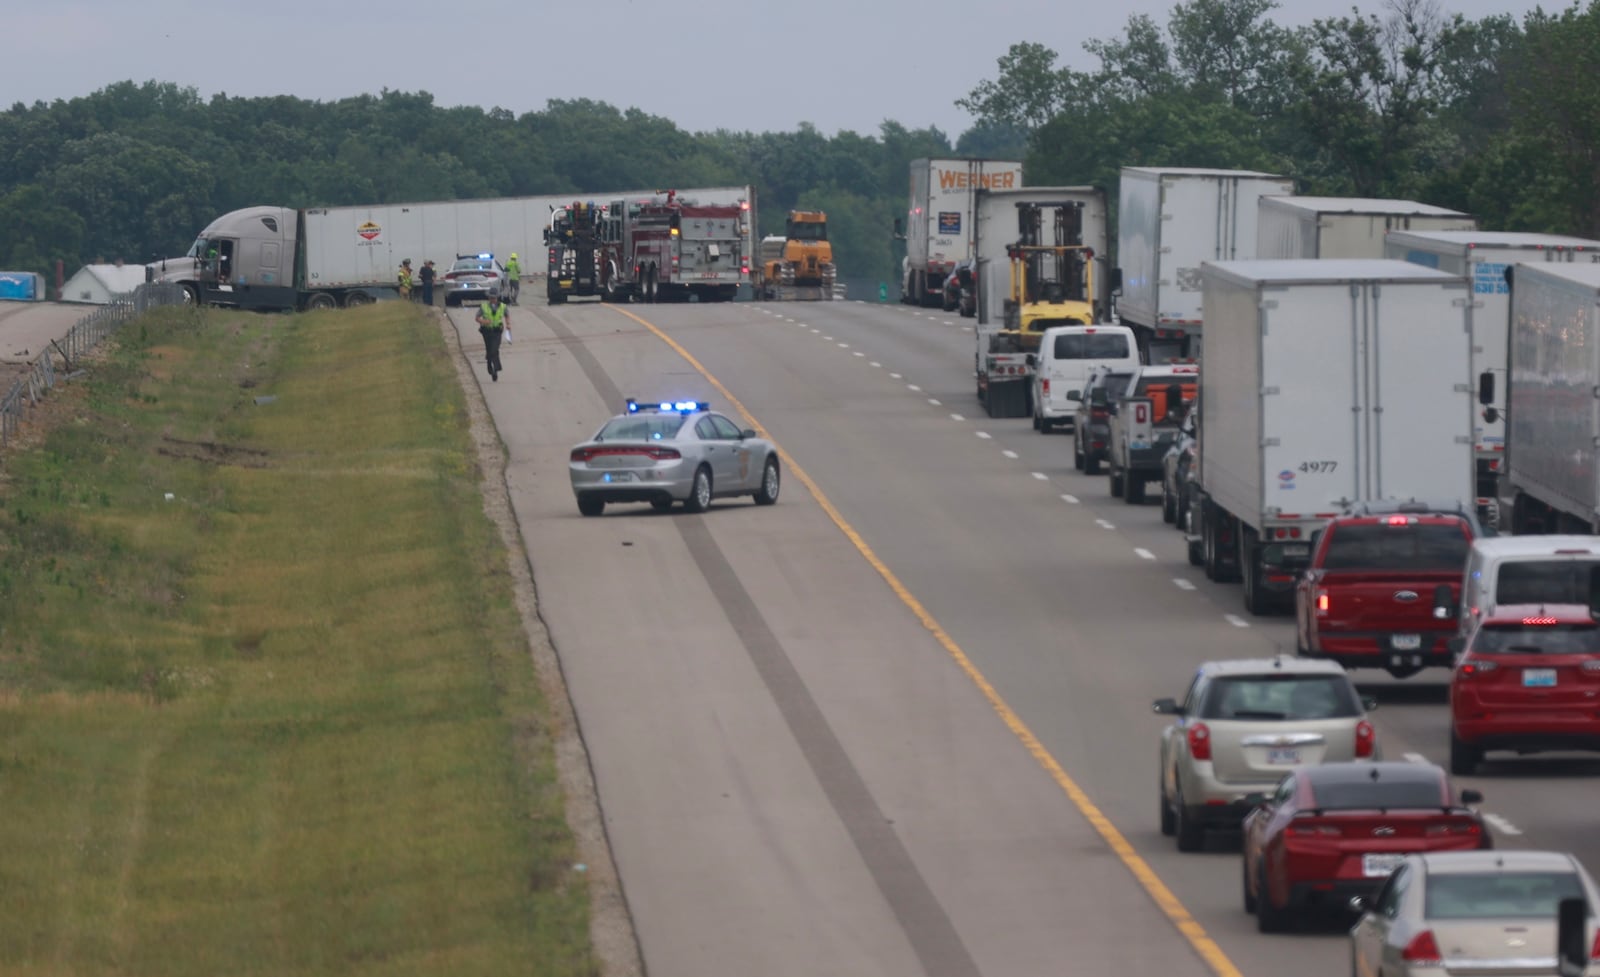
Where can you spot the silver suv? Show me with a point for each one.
(1244, 724)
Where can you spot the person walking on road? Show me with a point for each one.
(493, 318)
(403, 279)
(514, 276)
(427, 275)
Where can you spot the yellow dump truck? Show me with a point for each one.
(799, 265)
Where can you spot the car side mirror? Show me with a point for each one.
(1470, 796)
(1486, 387)
(1075, 396)
(747, 433)
(1167, 707)
(1357, 904)
(1369, 703)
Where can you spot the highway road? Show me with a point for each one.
(899, 723)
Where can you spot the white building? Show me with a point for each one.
(97, 284)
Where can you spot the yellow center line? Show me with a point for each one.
(1164, 898)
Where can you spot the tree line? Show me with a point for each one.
(1493, 117)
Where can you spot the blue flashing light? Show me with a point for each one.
(668, 406)
(485, 254)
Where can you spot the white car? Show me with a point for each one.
(1491, 912)
(1245, 723)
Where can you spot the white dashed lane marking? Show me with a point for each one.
(876, 365)
(1010, 454)
(982, 434)
(1145, 554)
(1182, 583)
(1501, 825)
(1236, 620)
(860, 354)
(1103, 524)
(1041, 476)
(1414, 758)
(934, 401)
(913, 388)
(894, 376)
(957, 417)
(1071, 499)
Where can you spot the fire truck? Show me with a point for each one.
(674, 249)
(584, 252)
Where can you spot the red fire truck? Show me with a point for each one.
(675, 249)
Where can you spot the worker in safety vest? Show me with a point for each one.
(493, 318)
(404, 279)
(514, 276)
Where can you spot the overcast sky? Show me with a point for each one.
(761, 65)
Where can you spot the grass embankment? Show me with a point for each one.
(286, 722)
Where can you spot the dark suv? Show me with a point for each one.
(1091, 428)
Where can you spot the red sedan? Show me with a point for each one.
(1528, 680)
(1337, 830)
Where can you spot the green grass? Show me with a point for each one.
(285, 723)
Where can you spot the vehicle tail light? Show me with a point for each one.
(1045, 386)
(1097, 413)
(659, 454)
(663, 454)
(580, 454)
(1423, 951)
(1594, 951)
(1463, 827)
(1323, 602)
(1199, 742)
(1366, 739)
(1477, 667)
(1310, 828)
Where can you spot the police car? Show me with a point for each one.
(662, 452)
(472, 278)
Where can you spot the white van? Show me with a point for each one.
(1526, 570)
(1067, 354)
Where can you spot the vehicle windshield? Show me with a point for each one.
(1414, 546)
(1500, 895)
(1544, 582)
(641, 427)
(806, 231)
(1115, 384)
(197, 249)
(1366, 794)
(473, 264)
(1088, 346)
(1538, 639)
(1281, 697)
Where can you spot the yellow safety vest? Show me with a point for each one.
(405, 278)
(513, 269)
(496, 317)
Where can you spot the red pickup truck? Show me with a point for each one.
(1384, 588)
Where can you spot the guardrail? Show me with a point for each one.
(57, 363)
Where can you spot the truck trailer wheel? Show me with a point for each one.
(321, 300)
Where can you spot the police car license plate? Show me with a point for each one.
(1379, 866)
(617, 477)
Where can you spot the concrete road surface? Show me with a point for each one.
(899, 724)
(26, 328)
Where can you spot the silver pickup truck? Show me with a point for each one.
(1144, 424)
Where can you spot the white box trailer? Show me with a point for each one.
(1345, 227)
(1169, 221)
(1551, 406)
(1324, 383)
(996, 226)
(939, 224)
(1483, 257)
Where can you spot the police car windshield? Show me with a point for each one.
(641, 427)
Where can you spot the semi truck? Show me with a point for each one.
(939, 224)
(1553, 414)
(1169, 221)
(1325, 383)
(1483, 257)
(677, 248)
(1345, 227)
(282, 258)
(798, 266)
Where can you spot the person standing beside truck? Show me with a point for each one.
(404, 279)
(514, 276)
(427, 275)
(492, 320)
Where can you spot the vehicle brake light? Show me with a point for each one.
(1323, 602)
(1423, 951)
(1539, 620)
(1454, 828)
(1366, 739)
(1045, 386)
(1478, 666)
(1199, 742)
(1399, 520)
